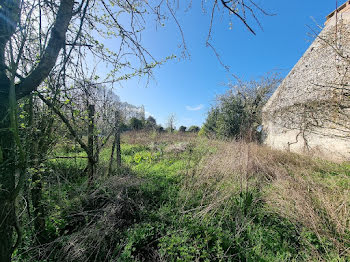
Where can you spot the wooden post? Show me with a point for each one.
(91, 127)
(116, 144)
(111, 159)
(117, 139)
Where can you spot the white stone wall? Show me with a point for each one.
(310, 110)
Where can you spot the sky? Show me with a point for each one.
(188, 87)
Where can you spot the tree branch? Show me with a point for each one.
(240, 17)
(48, 61)
(65, 121)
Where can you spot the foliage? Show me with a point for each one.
(210, 125)
(159, 128)
(238, 112)
(135, 123)
(194, 129)
(182, 129)
(150, 123)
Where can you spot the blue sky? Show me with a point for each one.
(187, 87)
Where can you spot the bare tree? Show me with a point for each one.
(171, 123)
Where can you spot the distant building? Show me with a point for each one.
(310, 110)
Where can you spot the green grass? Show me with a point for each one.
(166, 220)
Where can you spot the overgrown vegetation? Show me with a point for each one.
(179, 197)
(70, 191)
(238, 113)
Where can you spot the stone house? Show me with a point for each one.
(310, 111)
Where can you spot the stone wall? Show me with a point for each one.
(310, 110)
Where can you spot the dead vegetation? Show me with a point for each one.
(309, 192)
(231, 194)
(94, 224)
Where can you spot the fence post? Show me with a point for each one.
(117, 139)
(91, 127)
(116, 143)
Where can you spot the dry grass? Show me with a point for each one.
(306, 191)
(96, 222)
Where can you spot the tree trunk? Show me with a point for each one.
(10, 14)
(9, 17)
(7, 184)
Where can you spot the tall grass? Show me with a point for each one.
(183, 198)
(313, 194)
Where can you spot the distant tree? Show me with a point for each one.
(135, 123)
(210, 125)
(194, 129)
(182, 129)
(123, 127)
(171, 123)
(160, 129)
(150, 123)
(238, 112)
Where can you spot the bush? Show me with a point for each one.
(194, 129)
(136, 124)
(160, 129)
(238, 112)
(182, 129)
(150, 123)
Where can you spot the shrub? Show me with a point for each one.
(135, 124)
(160, 129)
(194, 129)
(182, 129)
(150, 123)
(238, 112)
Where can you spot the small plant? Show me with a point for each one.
(145, 156)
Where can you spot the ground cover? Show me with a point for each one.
(180, 197)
